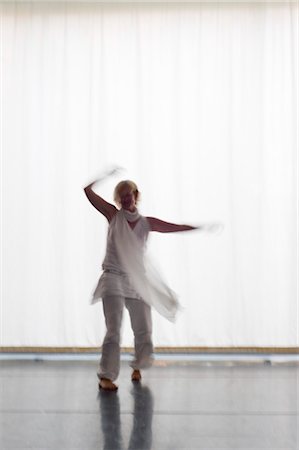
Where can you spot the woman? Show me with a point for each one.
(129, 280)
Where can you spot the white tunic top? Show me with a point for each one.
(114, 280)
(128, 270)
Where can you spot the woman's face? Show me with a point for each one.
(127, 198)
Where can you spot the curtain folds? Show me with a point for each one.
(199, 103)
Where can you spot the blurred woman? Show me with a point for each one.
(129, 280)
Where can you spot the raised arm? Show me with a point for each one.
(167, 227)
(105, 208)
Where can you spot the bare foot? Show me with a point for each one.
(136, 375)
(107, 385)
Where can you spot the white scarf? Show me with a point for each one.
(143, 276)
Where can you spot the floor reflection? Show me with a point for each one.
(141, 434)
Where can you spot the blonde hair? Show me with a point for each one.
(122, 184)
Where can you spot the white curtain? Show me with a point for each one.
(198, 103)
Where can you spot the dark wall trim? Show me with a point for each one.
(282, 350)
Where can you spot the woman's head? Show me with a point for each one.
(126, 194)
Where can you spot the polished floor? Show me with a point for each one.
(179, 405)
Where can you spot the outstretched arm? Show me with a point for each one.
(105, 208)
(167, 227)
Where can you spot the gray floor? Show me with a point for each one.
(179, 405)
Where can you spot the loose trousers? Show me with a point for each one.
(141, 323)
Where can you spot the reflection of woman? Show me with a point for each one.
(111, 424)
(129, 280)
(141, 434)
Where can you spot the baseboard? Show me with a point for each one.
(224, 350)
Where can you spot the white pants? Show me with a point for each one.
(141, 322)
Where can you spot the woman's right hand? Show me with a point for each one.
(115, 170)
(101, 177)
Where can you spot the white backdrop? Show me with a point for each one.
(198, 103)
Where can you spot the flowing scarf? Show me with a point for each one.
(144, 277)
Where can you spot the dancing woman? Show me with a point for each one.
(129, 280)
